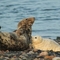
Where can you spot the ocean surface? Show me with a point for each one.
(46, 13)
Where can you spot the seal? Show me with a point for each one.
(18, 40)
(25, 26)
(45, 44)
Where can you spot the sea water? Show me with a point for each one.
(46, 13)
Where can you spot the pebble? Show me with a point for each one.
(56, 58)
(12, 58)
(30, 52)
(25, 55)
(19, 59)
(6, 58)
(37, 59)
(7, 51)
(43, 54)
(49, 57)
(22, 57)
(1, 57)
(30, 55)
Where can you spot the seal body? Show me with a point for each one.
(44, 44)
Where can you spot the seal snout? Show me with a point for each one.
(33, 18)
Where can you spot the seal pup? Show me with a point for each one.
(45, 44)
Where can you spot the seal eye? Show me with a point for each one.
(35, 37)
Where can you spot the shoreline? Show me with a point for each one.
(29, 54)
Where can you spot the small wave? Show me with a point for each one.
(46, 30)
(38, 30)
(1, 13)
(51, 19)
(12, 5)
(50, 9)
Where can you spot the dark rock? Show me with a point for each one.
(51, 53)
(39, 51)
(57, 54)
(58, 38)
(0, 27)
